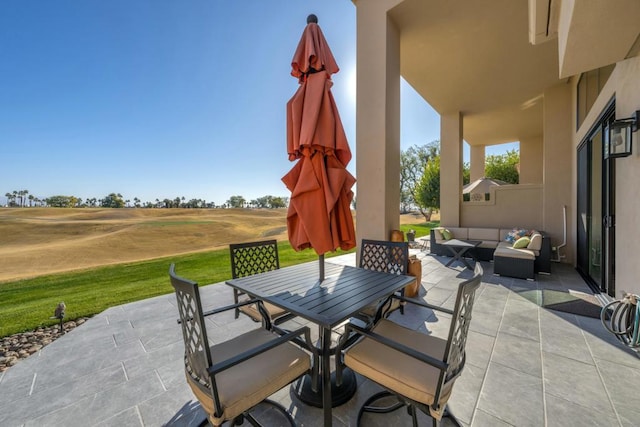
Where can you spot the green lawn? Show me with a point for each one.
(422, 229)
(27, 304)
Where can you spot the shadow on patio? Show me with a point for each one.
(526, 365)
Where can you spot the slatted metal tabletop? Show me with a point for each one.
(344, 291)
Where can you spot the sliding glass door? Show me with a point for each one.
(595, 204)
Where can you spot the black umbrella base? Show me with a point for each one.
(339, 395)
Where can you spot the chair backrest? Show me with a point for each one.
(253, 258)
(460, 321)
(197, 354)
(384, 256)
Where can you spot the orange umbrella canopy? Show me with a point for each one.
(319, 214)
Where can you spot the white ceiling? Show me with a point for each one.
(475, 57)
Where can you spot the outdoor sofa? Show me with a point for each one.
(497, 245)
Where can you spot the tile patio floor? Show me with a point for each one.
(526, 365)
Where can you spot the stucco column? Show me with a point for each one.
(531, 155)
(477, 162)
(450, 168)
(377, 122)
(558, 149)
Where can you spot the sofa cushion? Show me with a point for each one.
(505, 250)
(437, 232)
(522, 242)
(459, 232)
(536, 242)
(484, 234)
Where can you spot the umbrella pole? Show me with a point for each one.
(321, 264)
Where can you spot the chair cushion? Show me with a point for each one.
(273, 310)
(396, 371)
(243, 386)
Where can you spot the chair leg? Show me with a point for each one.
(447, 414)
(252, 420)
(366, 406)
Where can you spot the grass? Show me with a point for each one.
(421, 229)
(28, 304)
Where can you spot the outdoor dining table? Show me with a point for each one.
(344, 291)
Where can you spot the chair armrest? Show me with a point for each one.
(306, 344)
(246, 355)
(232, 307)
(423, 304)
(436, 363)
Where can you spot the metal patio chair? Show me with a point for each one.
(232, 377)
(252, 258)
(387, 257)
(418, 369)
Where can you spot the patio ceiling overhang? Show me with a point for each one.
(476, 58)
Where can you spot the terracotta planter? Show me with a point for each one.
(415, 269)
(397, 236)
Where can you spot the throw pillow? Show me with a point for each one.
(446, 234)
(521, 243)
(515, 234)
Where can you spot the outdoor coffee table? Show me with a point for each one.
(460, 247)
(344, 292)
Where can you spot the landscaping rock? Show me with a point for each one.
(20, 346)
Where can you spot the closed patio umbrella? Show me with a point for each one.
(319, 214)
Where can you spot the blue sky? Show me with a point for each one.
(164, 99)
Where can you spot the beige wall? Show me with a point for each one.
(627, 86)
(450, 168)
(531, 152)
(624, 85)
(557, 175)
(510, 206)
(477, 157)
(377, 122)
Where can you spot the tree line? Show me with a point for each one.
(419, 187)
(22, 198)
(420, 175)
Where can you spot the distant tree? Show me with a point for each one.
(136, 202)
(113, 200)
(503, 166)
(428, 189)
(278, 202)
(412, 166)
(60, 201)
(236, 201)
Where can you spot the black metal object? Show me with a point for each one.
(199, 365)
(450, 365)
(387, 257)
(344, 292)
(458, 248)
(59, 314)
(252, 258)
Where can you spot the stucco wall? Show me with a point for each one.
(624, 85)
(627, 86)
(510, 206)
